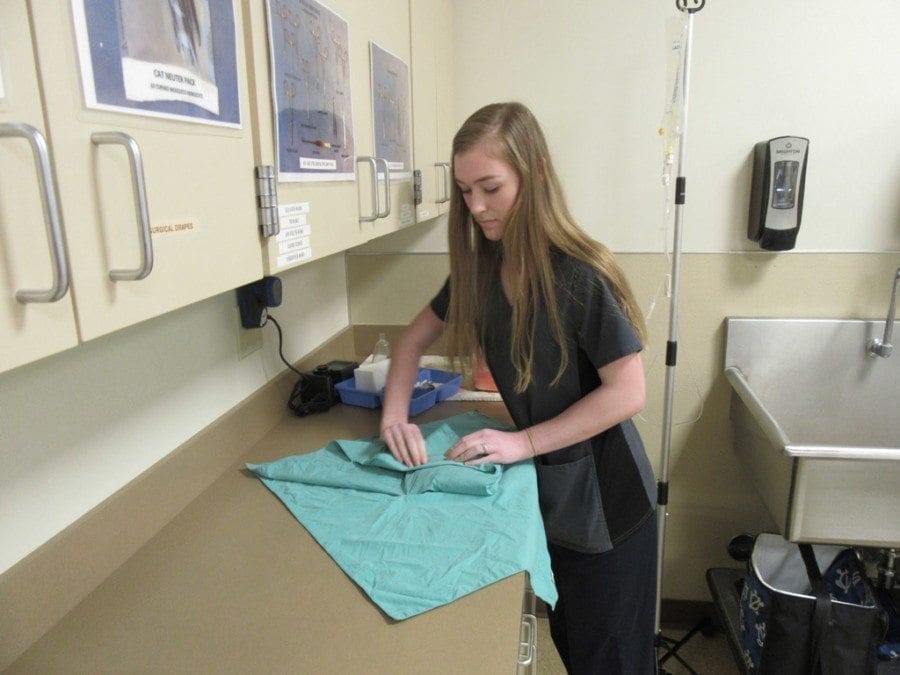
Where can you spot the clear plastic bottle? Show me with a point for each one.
(382, 349)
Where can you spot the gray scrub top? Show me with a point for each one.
(593, 494)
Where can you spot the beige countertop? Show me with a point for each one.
(235, 584)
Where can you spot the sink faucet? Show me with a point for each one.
(883, 347)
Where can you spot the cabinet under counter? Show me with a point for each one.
(234, 583)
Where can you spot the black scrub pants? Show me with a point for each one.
(604, 621)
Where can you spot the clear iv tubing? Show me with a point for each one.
(673, 114)
(671, 130)
(673, 119)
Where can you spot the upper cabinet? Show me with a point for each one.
(36, 314)
(320, 123)
(385, 133)
(135, 138)
(157, 191)
(320, 215)
(431, 34)
(155, 203)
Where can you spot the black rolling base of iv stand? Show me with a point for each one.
(668, 647)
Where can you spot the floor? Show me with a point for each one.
(705, 655)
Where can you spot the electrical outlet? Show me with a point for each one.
(249, 340)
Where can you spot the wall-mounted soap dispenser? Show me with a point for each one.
(776, 196)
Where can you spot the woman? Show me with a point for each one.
(558, 326)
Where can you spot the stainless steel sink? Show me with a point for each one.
(817, 424)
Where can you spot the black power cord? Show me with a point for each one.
(271, 318)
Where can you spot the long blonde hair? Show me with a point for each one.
(538, 221)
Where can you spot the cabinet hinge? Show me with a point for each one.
(267, 200)
(417, 187)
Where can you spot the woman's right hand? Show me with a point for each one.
(403, 439)
(405, 442)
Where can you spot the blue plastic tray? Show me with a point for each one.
(445, 385)
(350, 395)
(422, 400)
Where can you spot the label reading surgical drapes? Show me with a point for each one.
(173, 228)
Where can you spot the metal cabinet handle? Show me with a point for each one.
(375, 199)
(387, 187)
(140, 203)
(52, 220)
(527, 646)
(445, 169)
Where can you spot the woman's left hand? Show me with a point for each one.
(490, 445)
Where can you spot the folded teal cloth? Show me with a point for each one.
(415, 538)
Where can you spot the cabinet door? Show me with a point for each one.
(28, 331)
(385, 22)
(332, 211)
(446, 119)
(431, 36)
(199, 187)
(335, 211)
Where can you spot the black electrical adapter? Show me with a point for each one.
(338, 371)
(255, 297)
(315, 391)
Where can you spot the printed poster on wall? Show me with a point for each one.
(391, 111)
(309, 62)
(175, 59)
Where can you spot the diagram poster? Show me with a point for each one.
(309, 58)
(162, 58)
(391, 111)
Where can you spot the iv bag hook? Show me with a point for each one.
(682, 5)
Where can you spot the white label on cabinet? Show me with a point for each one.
(293, 221)
(297, 256)
(293, 232)
(407, 215)
(293, 237)
(293, 245)
(318, 164)
(294, 207)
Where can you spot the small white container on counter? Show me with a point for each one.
(370, 376)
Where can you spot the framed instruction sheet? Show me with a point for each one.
(309, 59)
(391, 111)
(175, 59)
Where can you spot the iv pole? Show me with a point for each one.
(662, 498)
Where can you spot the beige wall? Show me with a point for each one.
(711, 496)
(594, 72)
(78, 426)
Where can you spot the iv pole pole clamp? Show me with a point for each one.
(669, 645)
